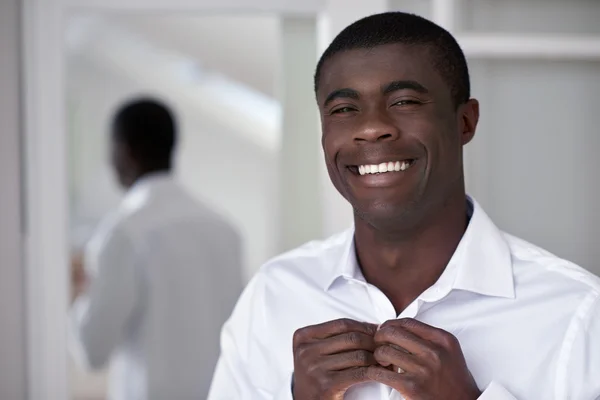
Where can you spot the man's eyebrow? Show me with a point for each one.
(345, 93)
(400, 85)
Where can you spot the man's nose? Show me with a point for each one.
(376, 127)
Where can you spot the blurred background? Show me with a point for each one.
(241, 86)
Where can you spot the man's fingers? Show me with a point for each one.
(387, 355)
(390, 378)
(351, 376)
(394, 332)
(345, 342)
(332, 328)
(350, 359)
(424, 331)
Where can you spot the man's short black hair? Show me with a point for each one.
(409, 29)
(147, 127)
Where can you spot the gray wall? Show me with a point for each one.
(12, 316)
(534, 159)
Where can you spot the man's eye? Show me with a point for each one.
(342, 110)
(406, 102)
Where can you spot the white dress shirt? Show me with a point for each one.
(528, 322)
(165, 274)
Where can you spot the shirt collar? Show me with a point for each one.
(482, 262)
(139, 192)
(150, 179)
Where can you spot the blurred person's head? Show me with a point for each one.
(394, 95)
(143, 140)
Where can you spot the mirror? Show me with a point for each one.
(223, 86)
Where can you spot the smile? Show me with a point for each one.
(386, 174)
(391, 166)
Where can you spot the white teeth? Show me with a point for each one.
(384, 167)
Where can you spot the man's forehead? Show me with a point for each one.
(385, 63)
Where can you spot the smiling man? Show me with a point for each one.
(425, 298)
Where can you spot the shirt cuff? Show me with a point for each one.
(495, 391)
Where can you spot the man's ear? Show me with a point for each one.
(130, 157)
(469, 114)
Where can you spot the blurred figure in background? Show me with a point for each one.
(160, 275)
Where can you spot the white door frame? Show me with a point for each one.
(46, 247)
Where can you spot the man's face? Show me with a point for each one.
(388, 109)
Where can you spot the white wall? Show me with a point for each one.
(299, 210)
(12, 316)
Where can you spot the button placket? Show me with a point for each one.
(412, 310)
(384, 309)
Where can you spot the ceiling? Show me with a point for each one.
(243, 48)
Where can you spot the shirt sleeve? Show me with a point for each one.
(99, 317)
(242, 371)
(495, 391)
(579, 373)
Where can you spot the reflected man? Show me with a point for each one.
(163, 271)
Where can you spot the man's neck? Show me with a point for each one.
(404, 266)
(147, 173)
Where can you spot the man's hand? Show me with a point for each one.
(431, 362)
(331, 357)
(79, 280)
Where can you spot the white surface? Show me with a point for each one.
(299, 206)
(249, 54)
(444, 13)
(530, 46)
(289, 7)
(12, 277)
(525, 319)
(46, 203)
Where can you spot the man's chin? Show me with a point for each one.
(387, 216)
